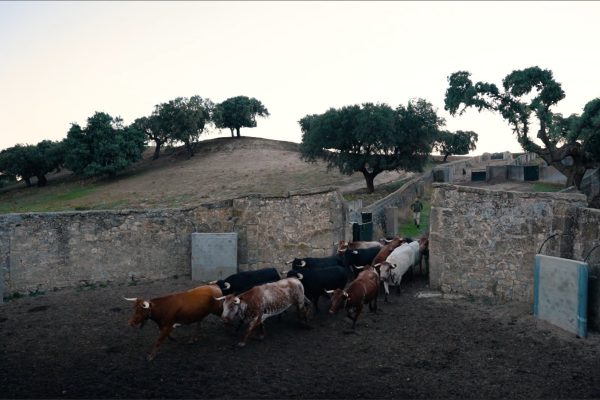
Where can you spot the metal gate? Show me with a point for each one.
(531, 173)
(364, 230)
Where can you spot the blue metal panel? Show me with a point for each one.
(536, 286)
(560, 292)
(582, 301)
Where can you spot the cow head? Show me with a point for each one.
(338, 300)
(141, 311)
(342, 246)
(297, 263)
(233, 308)
(294, 274)
(385, 270)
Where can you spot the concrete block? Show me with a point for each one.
(560, 290)
(392, 221)
(214, 256)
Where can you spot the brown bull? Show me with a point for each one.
(175, 309)
(363, 290)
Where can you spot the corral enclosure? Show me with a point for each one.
(40, 252)
(483, 242)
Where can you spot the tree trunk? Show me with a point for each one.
(574, 170)
(232, 134)
(238, 131)
(42, 181)
(157, 150)
(445, 157)
(370, 178)
(189, 148)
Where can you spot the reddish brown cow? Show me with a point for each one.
(364, 289)
(387, 250)
(264, 301)
(175, 309)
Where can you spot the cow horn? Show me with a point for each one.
(289, 262)
(354, 251)
(299, 276)
(377, 265)
(227, 285)
(328, 291)
(220, 298)
(392, 266)
(345, 293)
(236, 300)
(359, 267)
(212, 282)
(146, 304)
(130, 298)
(302, 264)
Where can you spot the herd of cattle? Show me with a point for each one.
(352, 278)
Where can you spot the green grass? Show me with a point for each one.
(45, 200)
(410, 230)
(546, 187)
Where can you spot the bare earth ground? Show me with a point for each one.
(77, 344)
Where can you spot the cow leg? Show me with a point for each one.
(263, 331)
(164, 333)
(251, 326)
(358, 310)
(315, 300)
(196, 336)
(386, 288)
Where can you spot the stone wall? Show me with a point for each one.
(43, 251)
(586, 247)
(483, 242)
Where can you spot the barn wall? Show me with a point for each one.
(483, 242)
(43, 251)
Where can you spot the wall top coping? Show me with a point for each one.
(15, 217)
(568, 197)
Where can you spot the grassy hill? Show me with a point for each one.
(222, 168)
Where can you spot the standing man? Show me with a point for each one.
(416, 208)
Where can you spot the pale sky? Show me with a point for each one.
(62, 61)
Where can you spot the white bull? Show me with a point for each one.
(398, 262)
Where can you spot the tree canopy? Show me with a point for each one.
(371, 138)
(104, 146)
(27, 161)
(154, 130)
(570, 144)
(184, 119)
(456, 143)
(238, 112)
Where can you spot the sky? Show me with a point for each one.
(60, 62)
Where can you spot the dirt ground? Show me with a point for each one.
(76, 344)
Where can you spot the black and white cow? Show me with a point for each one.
(315, 262)
(317, 281)
(246, 280)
